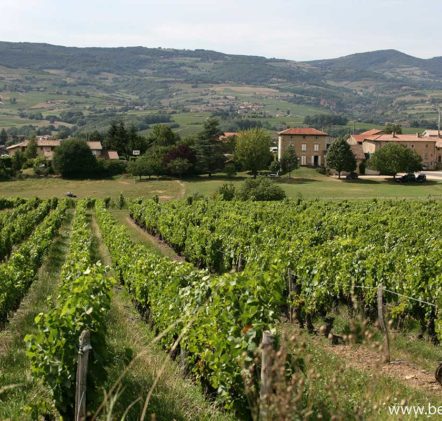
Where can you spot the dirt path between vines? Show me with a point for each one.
(164, 249)
(140, 360)
(364, 359)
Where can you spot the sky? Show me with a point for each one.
(291, 29)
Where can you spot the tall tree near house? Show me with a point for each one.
(289, 160)
(253, 150)
(31, 149)
(340, 157)
(208, 149)
(3, 137)
(135, 141)
(116, 138)
(162, 135)
(393, 158)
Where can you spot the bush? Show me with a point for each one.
(230, 170)
(111, 168)
(260, 189)
(226, 192)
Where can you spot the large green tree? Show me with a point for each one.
(145, 166)
(3, 137)
(340, 157)
(289, 160)
(394, 158)
(252, 150)
(31, 149)
(162, 135)
(116, 138)
(74, 159)
(208, 149)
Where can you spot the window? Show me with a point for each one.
(303, 160)
(316, 147)
(304, 147)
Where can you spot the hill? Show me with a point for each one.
(41, 80)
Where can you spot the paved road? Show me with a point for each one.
(433, 175)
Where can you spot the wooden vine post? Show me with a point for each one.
(383, 324)
(81, 379)
(267, 354)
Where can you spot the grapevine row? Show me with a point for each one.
(21, 224)
(223, 317)
(18, 273)
(82, 304)
(328, 248)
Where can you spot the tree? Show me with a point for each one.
(393, 128)
(162, 135)
(211, 130)
(289, 160)
(252, 150)
(3, 137)
(74, 159)
(394, 158)
(135, 141)
(340, 157)
(145, 165)
(116, 138)
(31, 149)
(179, 167)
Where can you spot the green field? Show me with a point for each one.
(305, 183)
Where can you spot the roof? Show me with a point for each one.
(112, 155)
(303, 131)
(95, 146)
(431, 133)
(40, 143)
(369, 133)
(400, 138)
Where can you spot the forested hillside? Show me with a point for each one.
(38, 82)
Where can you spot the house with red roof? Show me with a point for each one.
(427, 145)
(310, 145)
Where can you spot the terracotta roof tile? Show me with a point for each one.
(303, 131)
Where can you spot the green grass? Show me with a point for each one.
(50, 187)
(17, 388)
(307, 183)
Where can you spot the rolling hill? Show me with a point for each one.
(102, 83)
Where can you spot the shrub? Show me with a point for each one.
(230, 170)
(226, 192)
(260, 189)
(107, 168)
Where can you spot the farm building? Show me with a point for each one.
(310, 145)
(46, 147)
(427, 146)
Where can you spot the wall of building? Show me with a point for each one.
(313, 146)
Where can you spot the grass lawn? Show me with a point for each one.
(309, 184)
(50, 187)
(305, 182)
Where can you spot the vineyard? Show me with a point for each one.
(251, 282)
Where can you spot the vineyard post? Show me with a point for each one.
(267, 350)
(290, 290)
(81, 379)
(383, 324)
